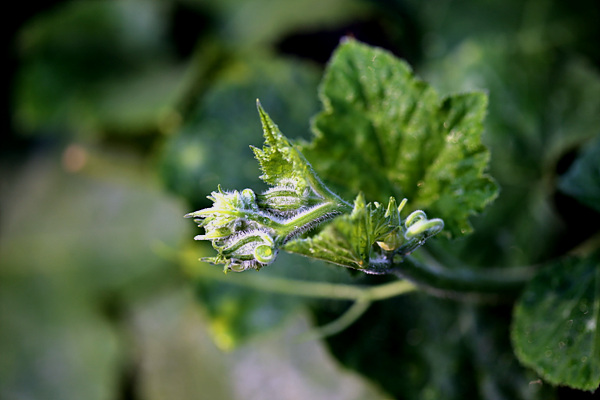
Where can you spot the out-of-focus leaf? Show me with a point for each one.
(582, 180)
(101, 224)
(556, 323)
(386, 133)
(260, 22)
(74, 247)
(212, 147)
(179, 361)
(54, 343)
(436, 349)
(289, 368)
(177, 358)
(238, 314)
(92, 66)
(570, 26)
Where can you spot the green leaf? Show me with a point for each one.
(77, 249)
(293, 180)
(543, 104)
(369, 237)
(385, 132)
(556, 321)
(582, 180)
(87, 69)
(280, 161)
(348, 240)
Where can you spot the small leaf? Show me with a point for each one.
(385, 132)
(280, 162)
(555, 327)
(369, 237)
(348, 240)
(294, 181)
(582, 180)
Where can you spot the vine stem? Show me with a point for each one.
(322, 290)
(356, 310)
(464, 283)
(361, 296)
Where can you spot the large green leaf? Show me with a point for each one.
(386, 133)
(582, 180)
(542, 106)
(556, 323)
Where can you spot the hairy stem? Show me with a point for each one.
(300, 222)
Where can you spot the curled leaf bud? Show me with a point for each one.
(424, 228)
(414, 218)
(417, 230)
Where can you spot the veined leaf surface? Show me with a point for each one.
(386, 133)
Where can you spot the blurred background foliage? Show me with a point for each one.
(121, 116)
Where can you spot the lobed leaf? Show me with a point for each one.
(384, 132)
(555, 327)
(541, 108)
